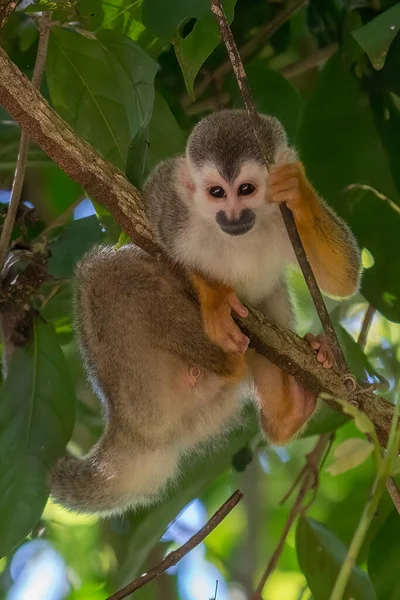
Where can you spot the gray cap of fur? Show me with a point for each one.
(226, 139)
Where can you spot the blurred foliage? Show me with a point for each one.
(133, 77)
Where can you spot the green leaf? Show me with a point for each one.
(349, 454)
(166, 138)
(383, 559)
(273, 95)
(104, 88)
(75, 239)
(166, 21)
(361, 420)
(376, 36)
(320, 554)
(36, 420)
(340, 146)
(136, 162)
(324, 420)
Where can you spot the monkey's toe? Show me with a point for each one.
(322, 347)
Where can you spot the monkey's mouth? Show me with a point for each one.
(237, 226)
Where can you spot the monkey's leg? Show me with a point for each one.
(329, 243)
(285, 405)
(217, 302)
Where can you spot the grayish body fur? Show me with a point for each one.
(140, 332)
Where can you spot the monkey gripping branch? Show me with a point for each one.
(108, 185)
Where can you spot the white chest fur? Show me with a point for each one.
(252, 263)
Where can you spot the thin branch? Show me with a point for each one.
(19, 176)
(366, 326)
(108, 185)
(309, 482)
(6, 8)
(362, 341)
(174, 557)
(369, 188)
(309, 62)
(292, 70)
(263, 34)
(287, 216)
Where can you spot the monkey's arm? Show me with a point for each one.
(216, 303)
(328, 242)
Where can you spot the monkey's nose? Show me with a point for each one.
(236, 226)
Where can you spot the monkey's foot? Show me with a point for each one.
(324, 351)
(221, 328)
(296, 406)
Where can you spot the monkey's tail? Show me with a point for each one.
(111, 478)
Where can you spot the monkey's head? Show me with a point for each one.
(227, 170)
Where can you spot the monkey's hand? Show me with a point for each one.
(288, 183)
(217, 302)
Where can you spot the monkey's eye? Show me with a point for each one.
(246, 189)
(217, 192)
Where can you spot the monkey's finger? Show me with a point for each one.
(286, 185)
(313, 340)
(236, 305)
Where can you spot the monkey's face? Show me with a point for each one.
(234, 204)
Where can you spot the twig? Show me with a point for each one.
(6, 8)
(362, 341)
(174, 557)
(309, 482)
(309, 62)
(109, 186)
(44, 32)
(264, 33)
(288, 219)
(369, 188)
(366, 325)
(369, 510)
(291, 70)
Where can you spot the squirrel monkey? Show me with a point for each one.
(169, 377)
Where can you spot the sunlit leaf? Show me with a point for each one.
(320, 554)
(350, 454)
(36, 419)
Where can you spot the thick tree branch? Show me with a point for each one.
(174, 557)
(109, 186)
(6, 8)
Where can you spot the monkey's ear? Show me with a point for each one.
(286, 155)
(184, 177)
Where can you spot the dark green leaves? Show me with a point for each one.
(340, 146)
(103, 87)
(321, 554)
(377, 35)
(383, 560)
(76, 239)
(167, 20)
(36, 420)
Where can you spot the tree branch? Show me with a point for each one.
(262, 35)
(309, 478)
(109, 186)
(6, 8)
(19, 176)
(174, 557)
(287, 216)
